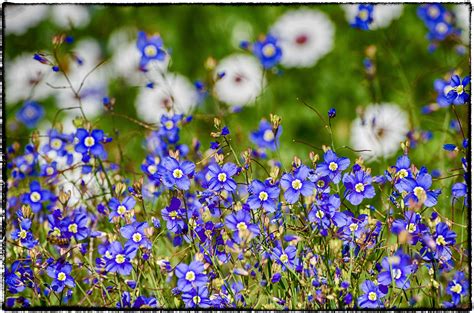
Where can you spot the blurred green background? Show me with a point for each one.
(405, 71)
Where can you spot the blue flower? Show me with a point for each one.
(297, 184)
(442, 87)
(286, 258)
(169, 127)
(457, 287)
(120, 258)
(267, 51)
(364, 17)
(264, 137)
(90, 142)
(121, 209)
(61, 274)
(174, 216)
(418, 192)
(444, 238)
(30, 113)
(324, 211)
(37, 196)
(240, 224)
(358, 186)
(263, 195)
(77, 225)
(332, 166)
(458, 94)
(410, 224)
(431, 12)
(151, 48)
(135, 234)
(397, 268)
(220, 178)
(176, 173)
(371, 297)
(196, 297)
(190, 276)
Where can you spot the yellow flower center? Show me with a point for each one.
(121, 209)
(222, 177)
(150, 51)
(363, 14)
(89, 141)
(268, 135)
(284, 258)
(353, 227)
(296, 184)
(433, 11)
(169, 125)
(268, 50)
(333, 166)
(56, 143)
(49, 170)
(320, 183)
(61, 276)
(119, 258)
(263, 196)
(35, 196)
(190, 276)
(456, 288)
(396, 273)
(372, 296)
(419, 192)
(411, 228)
(73, 228)
(137, 237)
(441, 28)
(23, 234)
(320, 214)
(402, 173)
(360, 187)
(56, 232)
(173, 214)
(460, 89)
(152, 169)
(196, 299)
(177, 173)
(440, 240)
(242, 226)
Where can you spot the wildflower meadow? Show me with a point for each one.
(270, 156)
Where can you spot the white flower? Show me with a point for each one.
(242, 82)
(67, 15)
(22, 75)
(461, 11)
(305, 36)
(171, 93)
(383, 14)
(380, 129)
(125, 61)
(20, 18)
(94, 88)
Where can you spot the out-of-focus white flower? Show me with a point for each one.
(242, 82)
(66, 15)
(22, 75)
(305, 36)
(383, 14)
(461, 11)
(20, 18)
(172, 93)
(88, 56)
(380, 129)
(125, 61)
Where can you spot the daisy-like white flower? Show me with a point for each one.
(170, 94)
(87, 55)
(380, 130)
(305, 36)
(66, 16)
(24, 75)
(20, 18)
(382, 14)
(461, 12)
(239, 80)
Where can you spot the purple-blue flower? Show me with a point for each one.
(267, 51)
(458, 94)
(37, 196)
(151, 48)
(120, 209)
(90, 142)
(397, 268)
(174, 216)
(263, 195)
(220, 178)
(371, 297)
(296, 184)
(120, 258)
(190, 276)
(61, 274)
(364, 17)
(135, 234)
(418, 191)
(264, 137)
(358, 187)
(332, 166)
(176, 173)
(30, 114)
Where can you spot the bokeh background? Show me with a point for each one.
(405, 69)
